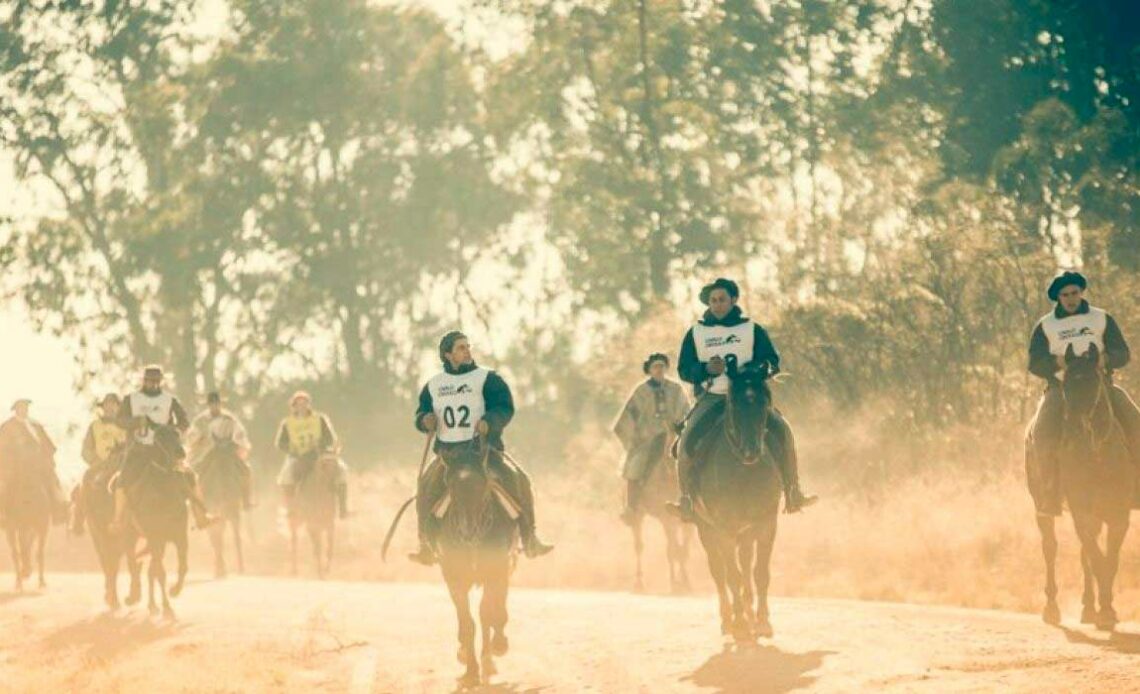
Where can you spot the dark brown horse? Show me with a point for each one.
(27, 510)
(1097, 480)
(477, 543)
(739, 500)
(158, 508)
(660, 486)
(221, 475)
(314, 506)
(111, 548)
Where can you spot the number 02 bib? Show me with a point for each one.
(457, 400)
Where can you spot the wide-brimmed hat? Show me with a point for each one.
(20, 401)
(300, 395)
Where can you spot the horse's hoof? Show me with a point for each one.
(1052, 614)
(153, 609)
(462, 655)
(764, 629)
(168, 614)
(500, 645)
(1088, 615)
(489, 668)
(469, 680)
(742, 631)
(1106, 620)
(176, 589)
(132, 599)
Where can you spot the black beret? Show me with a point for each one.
(720, 283)
(1065, 279)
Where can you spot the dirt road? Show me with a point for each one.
(257, 634)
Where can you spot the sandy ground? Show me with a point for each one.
(261, 634)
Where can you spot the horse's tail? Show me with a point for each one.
(392, 530)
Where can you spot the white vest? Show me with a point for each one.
(721, 341)
(457, 400)
(1079, 330)
(157, 408)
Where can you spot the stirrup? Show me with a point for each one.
(798, 501)
(682, 509)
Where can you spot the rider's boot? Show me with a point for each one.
(342, 499)
(429, 487)
(117, 525)
(533, 546)
(683, 507)
(202, 517)
(247, 501)
(794, 498)
(632, 499)
(77, 511)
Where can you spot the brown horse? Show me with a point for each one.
(158, 509)
(1097, 478)
(739, 503)
(314, 506)
(660, 486)
(27, 516)
(477, 543)
(221, 475)
(99, 503)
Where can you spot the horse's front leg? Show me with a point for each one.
(41, 540)
(134, 568)
(181, 547)
(236, 525)
(1117, 530)
(459, 588)
(762, 577)
(14, 547)
(1048, 530)
(638, 547)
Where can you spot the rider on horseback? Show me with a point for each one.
(218, 429)
(305, 435)
(156, 418)
(460, 404)
(645, 427)
(724, 331)
(1073, 323)
(24, 441)
(102, 451)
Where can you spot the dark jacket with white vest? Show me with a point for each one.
(1089, 325)
(497, 403)
(692, 368)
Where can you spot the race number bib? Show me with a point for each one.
(457, 400)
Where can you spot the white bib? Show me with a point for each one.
(457, 400)
(157, 408)
(721, 341)
(1079, 330)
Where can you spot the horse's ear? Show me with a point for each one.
(1070, 353)
(730, 365)
(1093, 353)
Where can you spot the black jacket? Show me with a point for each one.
(497, 396)
(692, 370)
(1043, 363)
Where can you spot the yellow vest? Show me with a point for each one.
(107, 436)
(304, 433)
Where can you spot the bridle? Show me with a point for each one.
(1086, 421)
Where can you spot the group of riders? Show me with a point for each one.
(468, 405)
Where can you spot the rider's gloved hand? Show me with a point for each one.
(482, 427)
(715, 367)
(429, 422)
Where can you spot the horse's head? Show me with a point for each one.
(749, 400)
(1084, 387)
(470, 491)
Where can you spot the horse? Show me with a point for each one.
(221, 476)
(1097, 479)
(99, 504)
(27, 516)
(314, 506)
(659, 486)
(478, 539)
(739, 500)
(158, 509)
